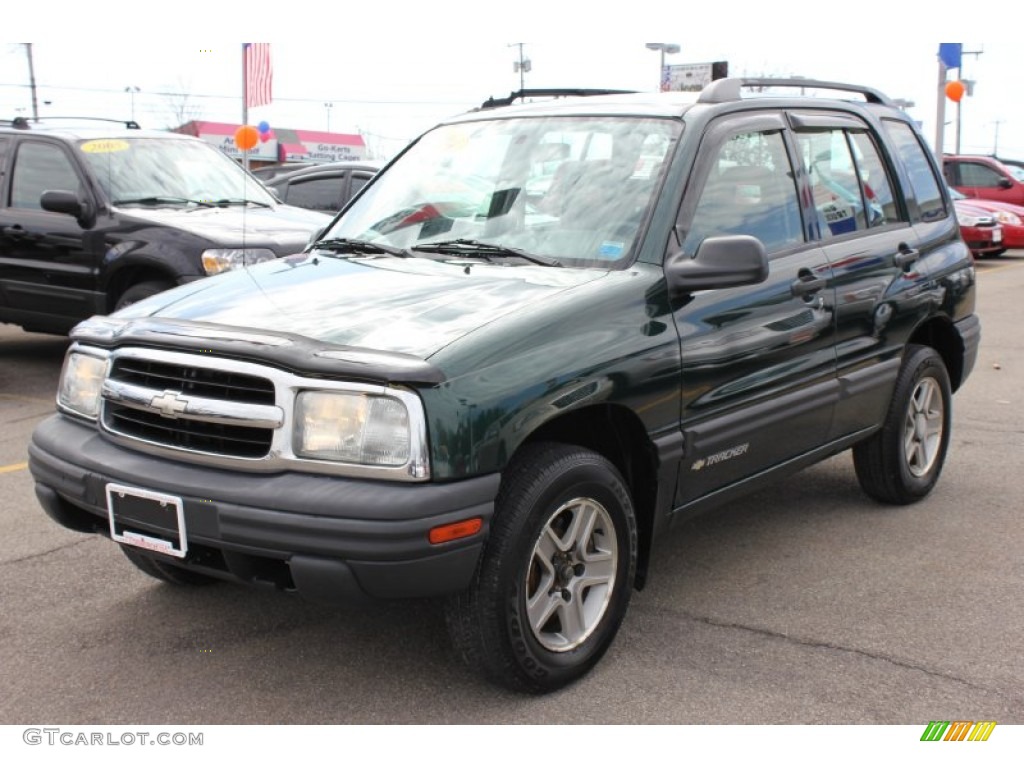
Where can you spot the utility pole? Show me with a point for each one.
(522, 66)
(969, 85)
(32, 83)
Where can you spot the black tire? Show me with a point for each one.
(158, 569)
(901, 463)
(550, 491)
(141, 291)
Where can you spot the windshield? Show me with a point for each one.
(571, 190)
(158, 170)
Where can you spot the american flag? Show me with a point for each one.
(258, 74)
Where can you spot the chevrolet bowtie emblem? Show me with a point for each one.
(169, 403)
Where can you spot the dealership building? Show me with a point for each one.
(282, 145)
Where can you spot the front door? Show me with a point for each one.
(758, 364)
(47, 265)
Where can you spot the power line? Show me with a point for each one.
(173, 94)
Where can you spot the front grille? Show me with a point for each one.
(190, 380)
(163, 380)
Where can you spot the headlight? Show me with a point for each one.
(216, 260)
(355, 428)
(1005, 217)
(967, 220)
(80, 383)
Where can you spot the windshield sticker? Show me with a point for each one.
(611, 250)
(98, 146)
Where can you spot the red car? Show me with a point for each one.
(1009, 216)
(985, 177)
(978, 227)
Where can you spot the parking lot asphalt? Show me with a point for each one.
(805, 603)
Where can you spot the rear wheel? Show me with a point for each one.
(555, 580)
(158, 569)
(901, 463)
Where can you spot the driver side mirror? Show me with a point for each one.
(720, 262)
(63, 201)
(1005, 183)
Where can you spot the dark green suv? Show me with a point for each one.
(544, 334)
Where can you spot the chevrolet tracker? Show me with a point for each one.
(540, 337)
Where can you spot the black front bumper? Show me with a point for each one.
(329, 538)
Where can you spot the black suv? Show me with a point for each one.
(93, 218)
(543, 335)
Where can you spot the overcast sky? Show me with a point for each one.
(392, 69)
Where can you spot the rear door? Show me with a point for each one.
(758, 362)
(874, 252)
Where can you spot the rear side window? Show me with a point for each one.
(323, 194)
(850, 187)
(923, 181)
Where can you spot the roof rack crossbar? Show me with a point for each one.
(528, 93)
(728, 89)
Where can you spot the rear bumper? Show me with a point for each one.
(331, 539)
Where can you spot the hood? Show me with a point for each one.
(993, 206)
(411, 306)
(970, 209)
(283, 226)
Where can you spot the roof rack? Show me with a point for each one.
(728, 88)
(527, 93)
(25, 123)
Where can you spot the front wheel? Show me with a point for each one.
(141, 291)
(901, 463)
(557, 573)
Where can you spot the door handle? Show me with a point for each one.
(15, 233)
(805, 286)
(906, 255)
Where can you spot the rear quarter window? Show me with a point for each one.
(924, 183)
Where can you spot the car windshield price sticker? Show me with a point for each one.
(97, 146)
(146, 519)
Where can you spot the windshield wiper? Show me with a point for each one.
(161, 200)
(226, 201)
(485, 250)
(360, 246)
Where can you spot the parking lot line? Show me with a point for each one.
(14, 467)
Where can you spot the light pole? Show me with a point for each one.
(522, 66)
(664, 48)
(327, 106)
(132, 90)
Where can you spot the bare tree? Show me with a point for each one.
(180, 107)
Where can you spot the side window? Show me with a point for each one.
(978, 175)
(40, 167)
(923, 181)
(356, 182)
(322, 194)
(750, 190)
(849, 184)
(874, 181)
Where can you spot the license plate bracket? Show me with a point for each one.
(147, 519)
